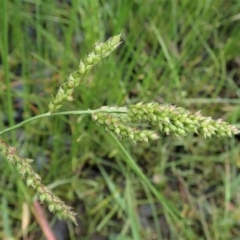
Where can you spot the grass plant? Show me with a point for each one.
(187, 178)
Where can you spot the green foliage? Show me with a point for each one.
(179, 52)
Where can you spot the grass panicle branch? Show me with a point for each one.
(100, 51)
(162, 118)
(113, 123)
(33, 180)
(179, 121)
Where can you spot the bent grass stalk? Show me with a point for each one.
(152, 120)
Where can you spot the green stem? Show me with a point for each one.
(4, 52)
(167, 205)
(48, 114)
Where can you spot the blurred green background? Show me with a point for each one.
(182, 52)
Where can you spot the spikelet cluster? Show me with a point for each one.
(114, 124)
(167, 119)
(33, 180)
(179, 121)
(100, 51)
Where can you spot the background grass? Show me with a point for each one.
(181, 52)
